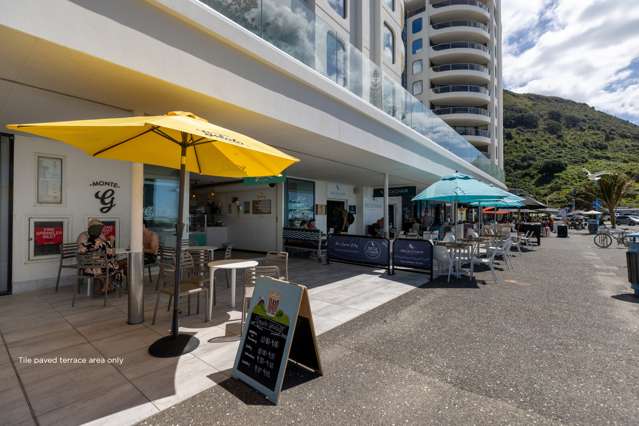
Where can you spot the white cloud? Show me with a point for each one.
(577, 49)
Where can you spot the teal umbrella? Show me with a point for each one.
(460, 188)
(511, 201)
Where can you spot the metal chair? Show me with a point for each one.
(166, 260)
(250, 277)
(68, 259)
(279, 259)
(201, 270)
(188, 285)
(93, 266)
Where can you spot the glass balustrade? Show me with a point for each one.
(471, 131)
(448, 88)
(460, 2)
(460, 45)
(449, 24)
(460, 110)
(459, 67)
(294, 28)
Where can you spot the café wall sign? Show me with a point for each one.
(105, 192)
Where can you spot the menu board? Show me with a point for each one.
(47, 237)
(262, 206)
(280, 325)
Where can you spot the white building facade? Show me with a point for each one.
(321, 82)
(455, 67)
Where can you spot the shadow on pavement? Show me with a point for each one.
(295, 376)
(442, 282)
(626, 297)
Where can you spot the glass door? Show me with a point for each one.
(6, 211)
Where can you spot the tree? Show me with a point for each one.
(611, 189)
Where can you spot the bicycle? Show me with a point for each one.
(605, 237)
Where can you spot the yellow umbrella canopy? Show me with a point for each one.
(178, 140)
(158, 140)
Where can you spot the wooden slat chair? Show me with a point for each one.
(68, 260)
(188, 285)
(279, 259)
(250, 277)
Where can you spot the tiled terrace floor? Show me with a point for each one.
(43, 325)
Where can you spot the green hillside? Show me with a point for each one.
(549, 141)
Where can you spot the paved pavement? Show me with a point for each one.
(556, 342)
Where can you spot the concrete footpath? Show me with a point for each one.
(556, 342)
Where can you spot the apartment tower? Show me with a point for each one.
(454, 66)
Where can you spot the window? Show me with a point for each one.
(389, 44)
(339, 6)
(418, 87)
(335, 59)
(300, 201)
(417, 25)
(418, 45)
(390, 4)
(418, 66)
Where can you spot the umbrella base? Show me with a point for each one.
(172, 346)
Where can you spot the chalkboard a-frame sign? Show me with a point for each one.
(279, 328)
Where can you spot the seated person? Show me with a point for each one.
(311, 224)
(93, 240)
(449, 236)
(151, 244)
(303, 224)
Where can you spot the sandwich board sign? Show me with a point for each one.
(279, 328)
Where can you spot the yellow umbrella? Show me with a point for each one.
(159, 140)
(178, 140)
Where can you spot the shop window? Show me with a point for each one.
(299, 201)
(161, 201)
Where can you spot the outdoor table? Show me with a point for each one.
(233, 265)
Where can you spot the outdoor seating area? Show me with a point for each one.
(127, 384)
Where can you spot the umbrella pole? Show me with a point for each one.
(177, 344)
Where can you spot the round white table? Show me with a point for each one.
(233, 265)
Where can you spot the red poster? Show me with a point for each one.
(47, 237)
(48, 234)
(109, 230)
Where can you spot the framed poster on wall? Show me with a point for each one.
(111, 228)
(49, 179)
(262, 206)
(45, 236)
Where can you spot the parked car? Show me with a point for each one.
(624, 219)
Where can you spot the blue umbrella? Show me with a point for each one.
(512, 201)
(460, 188)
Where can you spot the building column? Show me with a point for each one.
(136, 260)
(386, 218)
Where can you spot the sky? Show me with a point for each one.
(584, 50)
